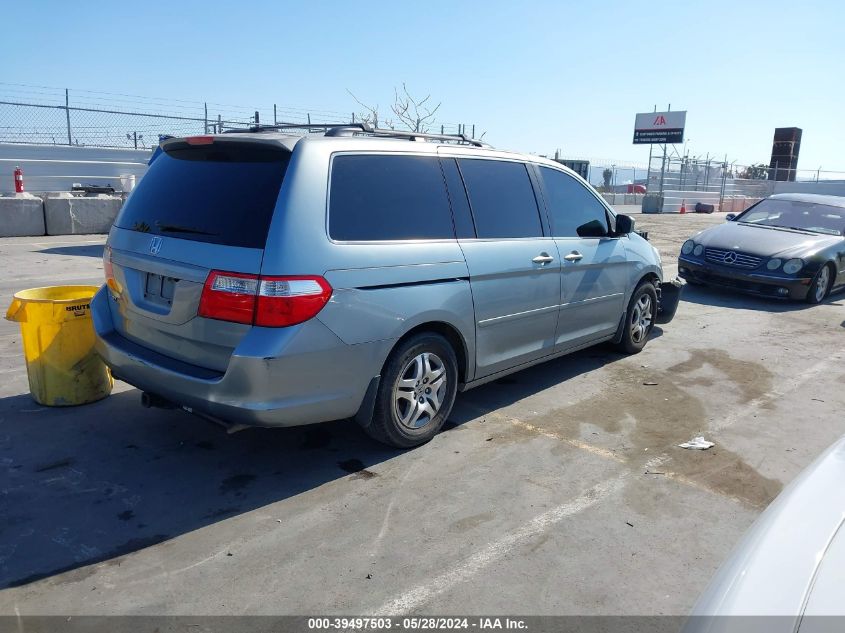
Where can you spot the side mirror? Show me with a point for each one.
(624, 224)
(730, 217)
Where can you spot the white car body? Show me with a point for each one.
(790, 563)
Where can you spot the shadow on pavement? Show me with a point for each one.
(82, 250)
(514, 387)
(724, 298)
(86, 484)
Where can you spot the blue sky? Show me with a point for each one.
(535, 75)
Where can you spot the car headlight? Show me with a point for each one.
(698, 250)
(793, 266)
(773, 264)
(686, 249)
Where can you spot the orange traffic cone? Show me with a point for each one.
(683, 206)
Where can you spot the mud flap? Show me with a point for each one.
(365, 413)
(669, 297)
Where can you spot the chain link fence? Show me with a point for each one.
(49, 116)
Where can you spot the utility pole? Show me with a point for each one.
(648, 173)
(67, 114)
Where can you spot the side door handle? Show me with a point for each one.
(543, 259)
(574, 256)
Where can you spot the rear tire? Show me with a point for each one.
(639, 319)
(820, 286)
(416, 392)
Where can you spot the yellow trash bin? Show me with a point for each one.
(58, 343)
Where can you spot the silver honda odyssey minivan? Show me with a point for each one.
(271, 278)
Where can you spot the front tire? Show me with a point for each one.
(639, 319)
(416, 392)
(820, 286)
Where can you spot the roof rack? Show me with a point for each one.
(350, 129)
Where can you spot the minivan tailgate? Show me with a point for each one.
(205, 204)
(155, 299)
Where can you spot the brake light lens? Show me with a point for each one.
(286, 301)
(264, 301)
(229, 297)
(199, 140)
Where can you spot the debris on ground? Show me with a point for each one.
(697, 444)
(629, 523)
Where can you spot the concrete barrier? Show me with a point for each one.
(66, 215)
(652, 203)
(622, 198)
(21, 215)
(673, 199)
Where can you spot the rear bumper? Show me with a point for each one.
(312, 376)
(750, 282)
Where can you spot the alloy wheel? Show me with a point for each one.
(822, 282)
(641, 317)
(420, 390)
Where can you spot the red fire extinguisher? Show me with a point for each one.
(18, 180)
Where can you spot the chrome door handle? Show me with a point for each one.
(574, 256)
(543, 258)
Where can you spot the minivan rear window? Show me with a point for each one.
(223, 193)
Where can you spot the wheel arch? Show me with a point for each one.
(451, 334)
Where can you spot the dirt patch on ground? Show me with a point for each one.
(660, 416)
(752, 379)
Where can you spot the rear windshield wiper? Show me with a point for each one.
(174, 228)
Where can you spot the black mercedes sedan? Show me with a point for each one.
(788, 245)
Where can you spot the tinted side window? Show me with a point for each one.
(574, 211)
(464, 227)
(502, 198)
(383, 197)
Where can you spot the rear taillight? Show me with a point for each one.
(108, 269)
(290, 300)
(265, 301)
(229, 297)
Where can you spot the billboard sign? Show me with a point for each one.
(659, 127)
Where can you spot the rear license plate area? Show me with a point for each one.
(159, 289)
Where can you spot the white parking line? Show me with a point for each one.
(469, 567)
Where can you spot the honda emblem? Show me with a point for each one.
(155, 245)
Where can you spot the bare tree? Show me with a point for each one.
(414, 113)
(370, 113)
